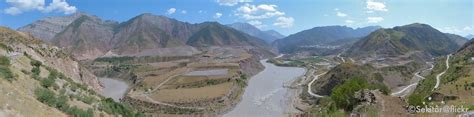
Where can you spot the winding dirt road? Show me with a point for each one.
(438, 77)
(404, 92)
(311, 83)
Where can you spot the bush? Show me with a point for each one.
(46, 96)
(343, 95)
(5, 61)
(110, 106)
(416, 99)
(47, 82)
(35, 63)
(36, 71)
(6, 73)
(76, 112)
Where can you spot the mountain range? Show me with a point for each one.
(470, 36)
(321, 37)
(87, 37)
(269, 36)
(404, 39)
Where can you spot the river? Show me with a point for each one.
(265, 94)
(113, 88)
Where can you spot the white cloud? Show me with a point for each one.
(374, 19)
(340, 14)
(184, 12)
(171, 11)
(467, 28)
(457, 30)
(217, 15)
(376, 6)
(257, 24)
(231, 2)
(263, 11)
(20, 6)
(267, 7)
(60, 6)
(349, 21)
(200, 11)
(284, 22)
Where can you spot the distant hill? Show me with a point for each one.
(456, 38)
(321, 37)
(275, 34)
(213, 33)
(88, 37)
(46, 29)
(403, 39)
(147, 31)
(269, 36)
(467, 50)
(470, 36)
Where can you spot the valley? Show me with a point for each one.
(252, 61)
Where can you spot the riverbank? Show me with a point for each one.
(113, 88)
(265, 94)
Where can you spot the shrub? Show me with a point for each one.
(35, 63)
(76, 112)
(46, 96)
(6, 73)
(110, 106)
(35, 71)
(47, 82)
(343, 95)
(5, 61)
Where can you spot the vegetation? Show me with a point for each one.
(343, 95)
(47, 82)
(110, 106)
(5, 47)
(242, 81)
(5, 71)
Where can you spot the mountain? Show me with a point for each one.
(470, 36)
(467, 50)
(269, 36)
(47, 28)
(275, 34)
(404, 39)
(320, 37)
(213, 33)
(149, 32)
(86, 37)
(456, 38)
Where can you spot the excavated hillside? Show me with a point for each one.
(37, 79)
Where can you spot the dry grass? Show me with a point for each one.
(192, 94)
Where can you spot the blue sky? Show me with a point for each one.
(285, 16)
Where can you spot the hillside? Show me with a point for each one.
(47, 28)
(41, 80)
(321, 38)
(86, 37)
(150, 32)
(269, 36)
(215, 34)
(404, 39)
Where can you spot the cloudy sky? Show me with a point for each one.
(285, 16)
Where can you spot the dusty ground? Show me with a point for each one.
(190, 95)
